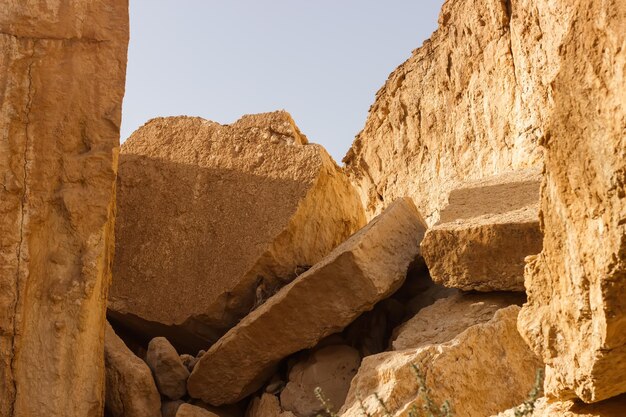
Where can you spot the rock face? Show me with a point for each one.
(267, 406)
(188, 410)
(62, 73)
(212, 220)
(448, 317)
(366, 268)
(168, 369)
(487, 229)
(462, 370)
(613, 407)
(331, 369)
(576, 312)
(130, 390)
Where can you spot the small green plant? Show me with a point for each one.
(528, 406)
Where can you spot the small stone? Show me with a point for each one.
(169, 372)
(188, 410)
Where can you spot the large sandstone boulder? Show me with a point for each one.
(212, 220)
(62, 74)
(470, 103)
(487, 229)
(613, 407)
(485, 369)
(130, 390)
(330, 369)
(576, 312)
(365, 269)
(449, 317)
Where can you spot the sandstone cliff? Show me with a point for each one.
(62, 72)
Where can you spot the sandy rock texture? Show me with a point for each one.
(130, 389)
(213, 220)
(365, 269)
(484, 233)
(613, 407)
(267, 405)
(469, 103)
(62, 72)
(168, 369)
(485, 369)
(448, 317)
(576, 312)
(188, 410)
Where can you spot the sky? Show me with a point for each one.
(320, 60)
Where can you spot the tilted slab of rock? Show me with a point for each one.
(213, 219)
(487, 229)
(471, 102)
(575, 317)
(368, 267)
(130, 390)
(485, 369)
(62, 72)
(448, 317)
(613, 407)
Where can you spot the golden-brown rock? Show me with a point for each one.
(487, 229)
(576, 312)
(62, 72)
(267, 406)
(130, 390)
(188, 410)
(213, 219)
(614, 407)
(365, 269)
(485, 369)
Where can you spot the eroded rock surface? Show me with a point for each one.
(213, 220)
(613, 407)
(487, 229)
(169, 371)
(576, 312)
(130, 389)
(62, 74)
(463, 370)
(188, 410)
(368, 267)
(267, 406)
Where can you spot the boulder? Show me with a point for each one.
(169, 372)
(485, 369)
(267, 406)
(448, 317)
(365, 269)
(331, 369)
(575, 318)
(613, 407)
(214, 219)
(130, 390)
(62, 74)
(487, 229)
(188, 410)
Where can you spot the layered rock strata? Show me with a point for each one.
(62, 72)
(485, 232)
(365, 269)
(213, 220)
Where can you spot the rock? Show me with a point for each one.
(331, 369)
(613, 407)
(130, 390)
(169, 372)
(365, 269)
(487, 229)
(485, 369)
(188, 360)
(575, 318)
(449, 317)
(62, 74)
(267, 406)
(170, 408)
(213, 220)
(188, 410)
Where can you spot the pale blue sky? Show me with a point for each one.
(321, 60)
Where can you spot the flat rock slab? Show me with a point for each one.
(485, 232)
(213, 219)
(368, 267)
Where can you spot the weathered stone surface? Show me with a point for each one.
(188, 410)
(130, 390)
(449, 317)
(331, 369)
(170, 408)
(62, 71)
(487, 229)
(485, 369)
(613, 407)
(212, 220)
(169, 372)
(368, 267)
(267, 406)
(576, 312)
